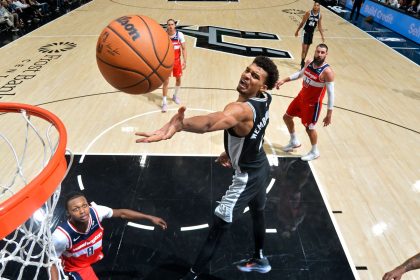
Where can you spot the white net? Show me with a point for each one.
(28, 252)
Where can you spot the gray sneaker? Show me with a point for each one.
(176, 99)
(292, 145)
(310, 156)
(252, 264)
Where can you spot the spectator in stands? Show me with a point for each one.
(7, 17)
(357, 4)
(412, 9)
(393, 3)
(402, 5)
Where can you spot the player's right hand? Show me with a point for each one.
(224, 160)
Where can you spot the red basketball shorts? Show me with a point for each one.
(177, 70)
(307, 112)
(85, 273)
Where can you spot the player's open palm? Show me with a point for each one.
(166, 132)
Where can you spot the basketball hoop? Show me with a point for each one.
(27, 240)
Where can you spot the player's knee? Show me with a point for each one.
(287, 118)
(220, 223)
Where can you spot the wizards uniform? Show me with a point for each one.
(177, 40)
(78, 250)
(307, 105)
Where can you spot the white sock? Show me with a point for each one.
(293, 137)
(164, 100)
(314, 148)
(176, 90)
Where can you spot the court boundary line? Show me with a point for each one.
(335, 223)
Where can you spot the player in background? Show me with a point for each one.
(318, 78)
(310, 21)
(78, 241)
(178, 42)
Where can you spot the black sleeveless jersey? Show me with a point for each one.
(247, 152)
(312, 22)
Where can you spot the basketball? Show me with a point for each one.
(134, 54)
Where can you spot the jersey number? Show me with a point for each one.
(90, 251)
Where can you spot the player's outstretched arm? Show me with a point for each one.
(132, 215)
(304, 19)
(410, 264)
(232, 114)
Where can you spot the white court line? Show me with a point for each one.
(403, 48)
(136, 225)
(128, 119)
(340, 235)
(194, 227)
(79, 181)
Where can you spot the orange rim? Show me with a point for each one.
(18, 208)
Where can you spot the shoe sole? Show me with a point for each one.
(291, 149)
(310, 159)
(249, 269)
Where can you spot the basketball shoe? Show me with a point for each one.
(310, 156)
(164, 107)
(176, 99)
(292, 145)
(253, 264)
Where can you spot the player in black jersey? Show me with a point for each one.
(310, 21)
(244, 122)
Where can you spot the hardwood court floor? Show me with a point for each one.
(369, 166)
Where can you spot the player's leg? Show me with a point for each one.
(217, 230)
(292, 111)
(309, 119)
(313, 137)
(165, 94)
(258, 262)
(177, 73)
(175, 96)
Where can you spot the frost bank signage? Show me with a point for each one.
(404, 24)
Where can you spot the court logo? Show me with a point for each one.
(293, 11)
(28, 69)
(213, 38)
(57, 47)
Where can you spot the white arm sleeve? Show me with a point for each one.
(103, 211)
(330, 92)
(296, 75)
(60, 241)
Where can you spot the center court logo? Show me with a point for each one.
(293, 11)
(57, 47)
(216, 38)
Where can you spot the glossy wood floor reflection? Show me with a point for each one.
(301, 241)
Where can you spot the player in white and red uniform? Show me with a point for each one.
(178, 42)
(78, 241)
(318, 78)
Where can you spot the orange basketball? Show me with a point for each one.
(134, 54)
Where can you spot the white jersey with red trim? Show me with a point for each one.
(177, 40)
(81, 249)
(313, 88)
